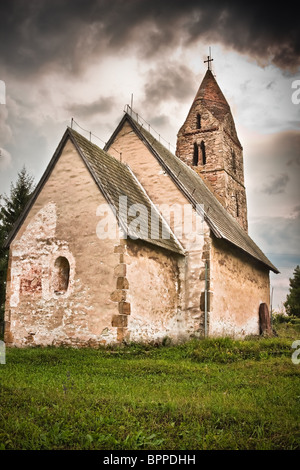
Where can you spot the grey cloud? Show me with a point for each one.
(276, 234)
(67, 33)
(282, 148)
(277, 185)
(5, 159)
(5, 130)
(287, 148)
(296, 212)
(102, 105)
(278, 237)
(160, 121)
(270, 85)
(169, 81)
(295, 159)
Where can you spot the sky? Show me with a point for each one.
(86, 59)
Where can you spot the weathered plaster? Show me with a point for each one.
(62, 222)
(239, 285)
(153, 293)
(165, 195)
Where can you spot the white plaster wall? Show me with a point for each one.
(62, 222)
(239, 285)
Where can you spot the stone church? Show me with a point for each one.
(134, 243)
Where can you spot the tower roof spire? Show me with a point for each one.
(211, 96)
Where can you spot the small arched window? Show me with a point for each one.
(61, 275)
(198, 121)
(196, 154)
(203, 152)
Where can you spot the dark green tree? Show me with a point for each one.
(10, 208)
(292, 303)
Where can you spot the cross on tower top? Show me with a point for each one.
(209, 60)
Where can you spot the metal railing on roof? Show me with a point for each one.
(142, 122)
(91, 134)
(139, 119)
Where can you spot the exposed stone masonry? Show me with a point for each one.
(223, 168)
(120, 321)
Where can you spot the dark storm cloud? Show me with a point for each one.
(67, 33)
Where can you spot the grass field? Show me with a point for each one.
(208, 394)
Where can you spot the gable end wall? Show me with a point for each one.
(62, 222)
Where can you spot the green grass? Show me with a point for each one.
(208, 394)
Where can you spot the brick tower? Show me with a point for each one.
(208, 142)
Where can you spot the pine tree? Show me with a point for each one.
(292, 303)
(10, 208)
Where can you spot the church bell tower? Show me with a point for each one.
(208, 143)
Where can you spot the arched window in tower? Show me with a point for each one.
(196, 154)
(233, 155)
(203, 152)
(61, 274)
(198, 121)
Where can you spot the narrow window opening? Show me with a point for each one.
(198, 121)
(203, 152)
(233, 160)
(196, 155)
(237, 205)
(61, 275)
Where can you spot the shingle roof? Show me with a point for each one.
(222, 224)
(114, 179)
